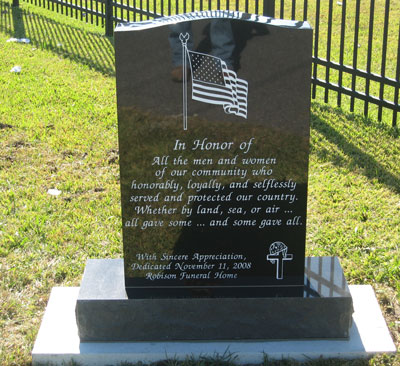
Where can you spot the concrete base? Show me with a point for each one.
(58, 343)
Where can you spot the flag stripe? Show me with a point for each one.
(219, 90)
(210, 101)
(198, 88)
(203, 95)
(223, 98)
(214, 98)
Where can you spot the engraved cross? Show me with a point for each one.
(278, 259)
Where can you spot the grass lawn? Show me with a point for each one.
(58, 130)
(330, 33)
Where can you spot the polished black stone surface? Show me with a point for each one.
(105, 313)
(214, 169)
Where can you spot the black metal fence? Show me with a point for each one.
(356, 58)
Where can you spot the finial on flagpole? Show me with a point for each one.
(184, 38)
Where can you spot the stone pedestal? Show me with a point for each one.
(104, 312)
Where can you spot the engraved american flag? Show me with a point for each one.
(214, 83)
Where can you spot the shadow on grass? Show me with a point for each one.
(88, 48)
(97, 52)
(19, 27)
(362, 159)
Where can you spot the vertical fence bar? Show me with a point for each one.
(355, 54)
(396, 90)
(341, 55)
(316, 40)
(102, 12)
(384, 50)
(96, 5)
(328, 49)
(293, 9)
(269, 8)
(320, 259)
(109, 18)
(369, 54)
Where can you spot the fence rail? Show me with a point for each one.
(356, 56)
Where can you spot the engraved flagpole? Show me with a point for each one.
(184, 39)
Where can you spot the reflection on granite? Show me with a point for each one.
(206, 14)
(324, 277)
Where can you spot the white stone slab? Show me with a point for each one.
(58, 343)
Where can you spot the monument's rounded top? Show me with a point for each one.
(211, 14)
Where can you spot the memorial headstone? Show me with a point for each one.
(214, 162)
(213, 115)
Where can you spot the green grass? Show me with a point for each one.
(377, 63)
(58, 129)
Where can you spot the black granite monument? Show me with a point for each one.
(213, 166)
(213, 114)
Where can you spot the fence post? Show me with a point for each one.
(109, 18)
(15, 3)
(269, 8)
